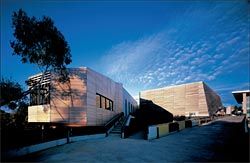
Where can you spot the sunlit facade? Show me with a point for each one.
(89, 99)
(191, 99)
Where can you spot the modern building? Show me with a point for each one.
(243, 98)
(89, 99)
(192, 99)
(229, 109)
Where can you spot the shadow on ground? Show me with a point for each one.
(220, 141)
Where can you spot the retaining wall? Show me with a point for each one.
(38, 147)
(160, 130)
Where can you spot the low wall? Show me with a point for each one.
(195, 122)
(160, 130)
(38, 147)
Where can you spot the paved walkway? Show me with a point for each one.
(219, 141)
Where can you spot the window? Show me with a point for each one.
(129, 107)
(40, 96)
(111, 105)
(40, 93)
(107, 104)
(126, 112)
(98, 101)
(104, 102)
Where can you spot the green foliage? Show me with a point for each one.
(21, 115)
(40, 42)
(10, 91)
(18, 119)
(11, 95)
(7, 119)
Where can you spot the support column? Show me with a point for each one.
(42, 134)
(244, 103)
(68, 134)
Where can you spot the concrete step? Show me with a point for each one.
(115, 132)
(118, 127)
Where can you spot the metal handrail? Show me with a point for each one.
(124, 123)
(112, 121)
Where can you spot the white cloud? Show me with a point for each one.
(127, 55)
(233, 40)
(170, 57)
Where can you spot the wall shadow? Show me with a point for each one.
(72, 98)
(151, 114)
(148, 114)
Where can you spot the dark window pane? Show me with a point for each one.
(128, 107)
(104, 102)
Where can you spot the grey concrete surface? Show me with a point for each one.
(223, 140)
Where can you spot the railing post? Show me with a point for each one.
(68, 134)
(42, 132)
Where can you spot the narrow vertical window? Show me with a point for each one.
(128, 107)
(107, 104)
(98, 101)
(111, 105)
(103, 102)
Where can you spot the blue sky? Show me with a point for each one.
(146, 45)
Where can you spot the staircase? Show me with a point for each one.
(118, 127)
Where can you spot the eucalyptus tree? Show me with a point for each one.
(39, 42)
(9, 90)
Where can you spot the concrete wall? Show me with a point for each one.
(161, 130)
(185, 99)
(42, 146)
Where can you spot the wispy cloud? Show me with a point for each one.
(126, 55)
(179, 56)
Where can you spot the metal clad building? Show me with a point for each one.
(89, 99)
(192, 99)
